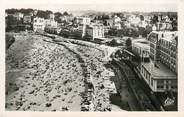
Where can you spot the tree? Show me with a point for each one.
(76, 35)
(48, 12)
(148, 30)
(9, 40)
(58, 16)
(112, 32)
(131, 32)
(113, 42)
(65, 13)
(65, 33)
(11, 11)
(26, 11)
(128, 43)
(141, 31)
(87, 37)
(154, 19)
(120, 33)
(105, 17)
(174, 25)
(11, 23)
(142, 17)
(11, 20)
(43, 14)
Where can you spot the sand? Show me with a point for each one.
(43, 76)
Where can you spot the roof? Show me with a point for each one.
(139, 39)
(141, 43)
(167, 35)
(160, 72)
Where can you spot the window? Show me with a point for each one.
(167, 87)
(173, 86)
(160, 86)
(151, 82)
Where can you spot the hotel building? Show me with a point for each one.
(93, 30)
(38, 24)
(161, 72)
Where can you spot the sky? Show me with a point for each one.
(105, 5)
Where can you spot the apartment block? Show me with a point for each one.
(161, 72)
(38, 24)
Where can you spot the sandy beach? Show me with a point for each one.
(43, 76)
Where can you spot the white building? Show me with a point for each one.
(84, 20)
(51, 16)
(117, 25)
(27, 19)
(50, 23)
(117, 19)
(98, 31)
(143, 24)
(141, 48)
(93, 30)
(38, 24)
(134, 20)
(159, 78)
(161, 72)
(161, 26)
(19, 15)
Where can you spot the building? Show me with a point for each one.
(83, 20)
(51, 23)
(27, 19)
(38, 24)
(159, 78)
(141, 48)
(161, 72)
(134, 20)
(127, 24)
(168, 50)
(98, 21)
(97, 31)
(51, 26)
(109, 22)
(117, 22)
(19, 16)
(143, 24)
(162, 26)
(117, 25)
(66, 18)
(51, 16)
(163, 48)
(106, 29)
(147, 18)
(93, 30)
(80, 29)
(35, 12)
(6, 14)
(154, 28)
(117, 19)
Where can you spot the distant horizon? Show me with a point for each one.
(100, 7)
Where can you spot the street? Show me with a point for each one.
(132, 91)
